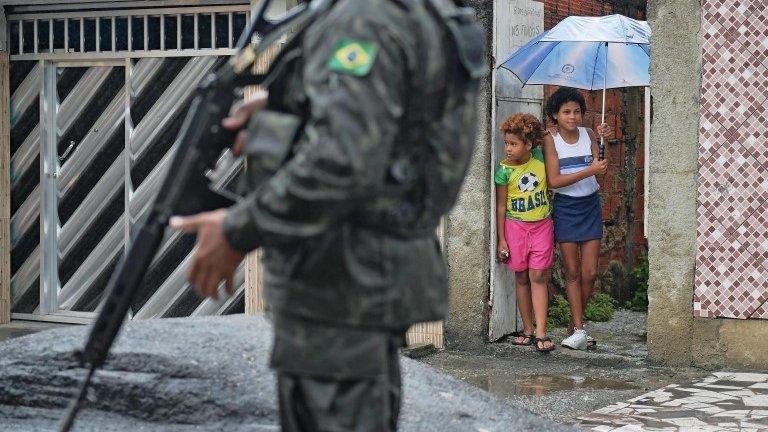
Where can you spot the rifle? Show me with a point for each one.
(185, 189)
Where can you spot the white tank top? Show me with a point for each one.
(574, 158)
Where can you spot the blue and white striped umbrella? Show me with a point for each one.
(590, 53)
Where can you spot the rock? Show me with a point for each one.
(206, 374)
(419, 350)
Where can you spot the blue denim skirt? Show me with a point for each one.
(577, 219)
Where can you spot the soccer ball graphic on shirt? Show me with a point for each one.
(528, 182)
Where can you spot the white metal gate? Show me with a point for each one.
(97, 99)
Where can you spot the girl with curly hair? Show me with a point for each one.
(523, 224)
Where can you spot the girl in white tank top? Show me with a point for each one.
(574, 158)
(576, 212)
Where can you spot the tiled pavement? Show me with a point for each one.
(723, 401)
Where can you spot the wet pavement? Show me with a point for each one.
(16, 329)
(565, 384)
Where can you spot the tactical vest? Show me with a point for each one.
(430, 158)
(425, 178)
(379, 265)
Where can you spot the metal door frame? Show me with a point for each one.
(49, 173)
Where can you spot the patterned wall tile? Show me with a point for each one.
(753, 32)
(730, 277)
(753, 233)
(712, 135)
(761, 312)
(716, 37)
(733, 86)
(734, 76)
(755, 237)
(732, 185)
(753, 134)
(700, 308)
(727, 12)
(709, 232)
(730, 273)
(732, 218)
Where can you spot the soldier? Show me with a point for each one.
(357, 151)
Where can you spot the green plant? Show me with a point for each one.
(600, 308)
(639, 302)
(559, 313)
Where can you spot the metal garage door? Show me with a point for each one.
(97, 100)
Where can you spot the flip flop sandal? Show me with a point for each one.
(536, 342)
(519, 334)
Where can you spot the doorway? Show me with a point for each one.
(515, 22)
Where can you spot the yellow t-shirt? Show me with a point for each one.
(527, 198)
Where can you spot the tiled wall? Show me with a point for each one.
(732, 226)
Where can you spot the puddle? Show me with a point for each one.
(540, 385)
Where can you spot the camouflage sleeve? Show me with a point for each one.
(354, 77)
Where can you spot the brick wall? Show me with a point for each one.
(556, 10)
(622, 187)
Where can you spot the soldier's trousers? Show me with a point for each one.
(336, 379)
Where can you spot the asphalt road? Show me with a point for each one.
(208, 374)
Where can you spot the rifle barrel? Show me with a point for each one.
(74, 404)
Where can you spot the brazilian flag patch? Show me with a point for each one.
(353, 57)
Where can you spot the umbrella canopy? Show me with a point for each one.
(584, 65)
(589, 53)
(611, 28)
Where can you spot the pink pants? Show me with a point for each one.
(531, 244)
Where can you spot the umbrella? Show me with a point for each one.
(590, 53)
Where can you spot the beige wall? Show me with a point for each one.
(467, 230)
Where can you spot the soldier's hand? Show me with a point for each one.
(214, 260)
(239, 115)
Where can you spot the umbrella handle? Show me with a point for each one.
(601, 149)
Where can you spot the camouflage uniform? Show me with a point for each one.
(367, 135)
